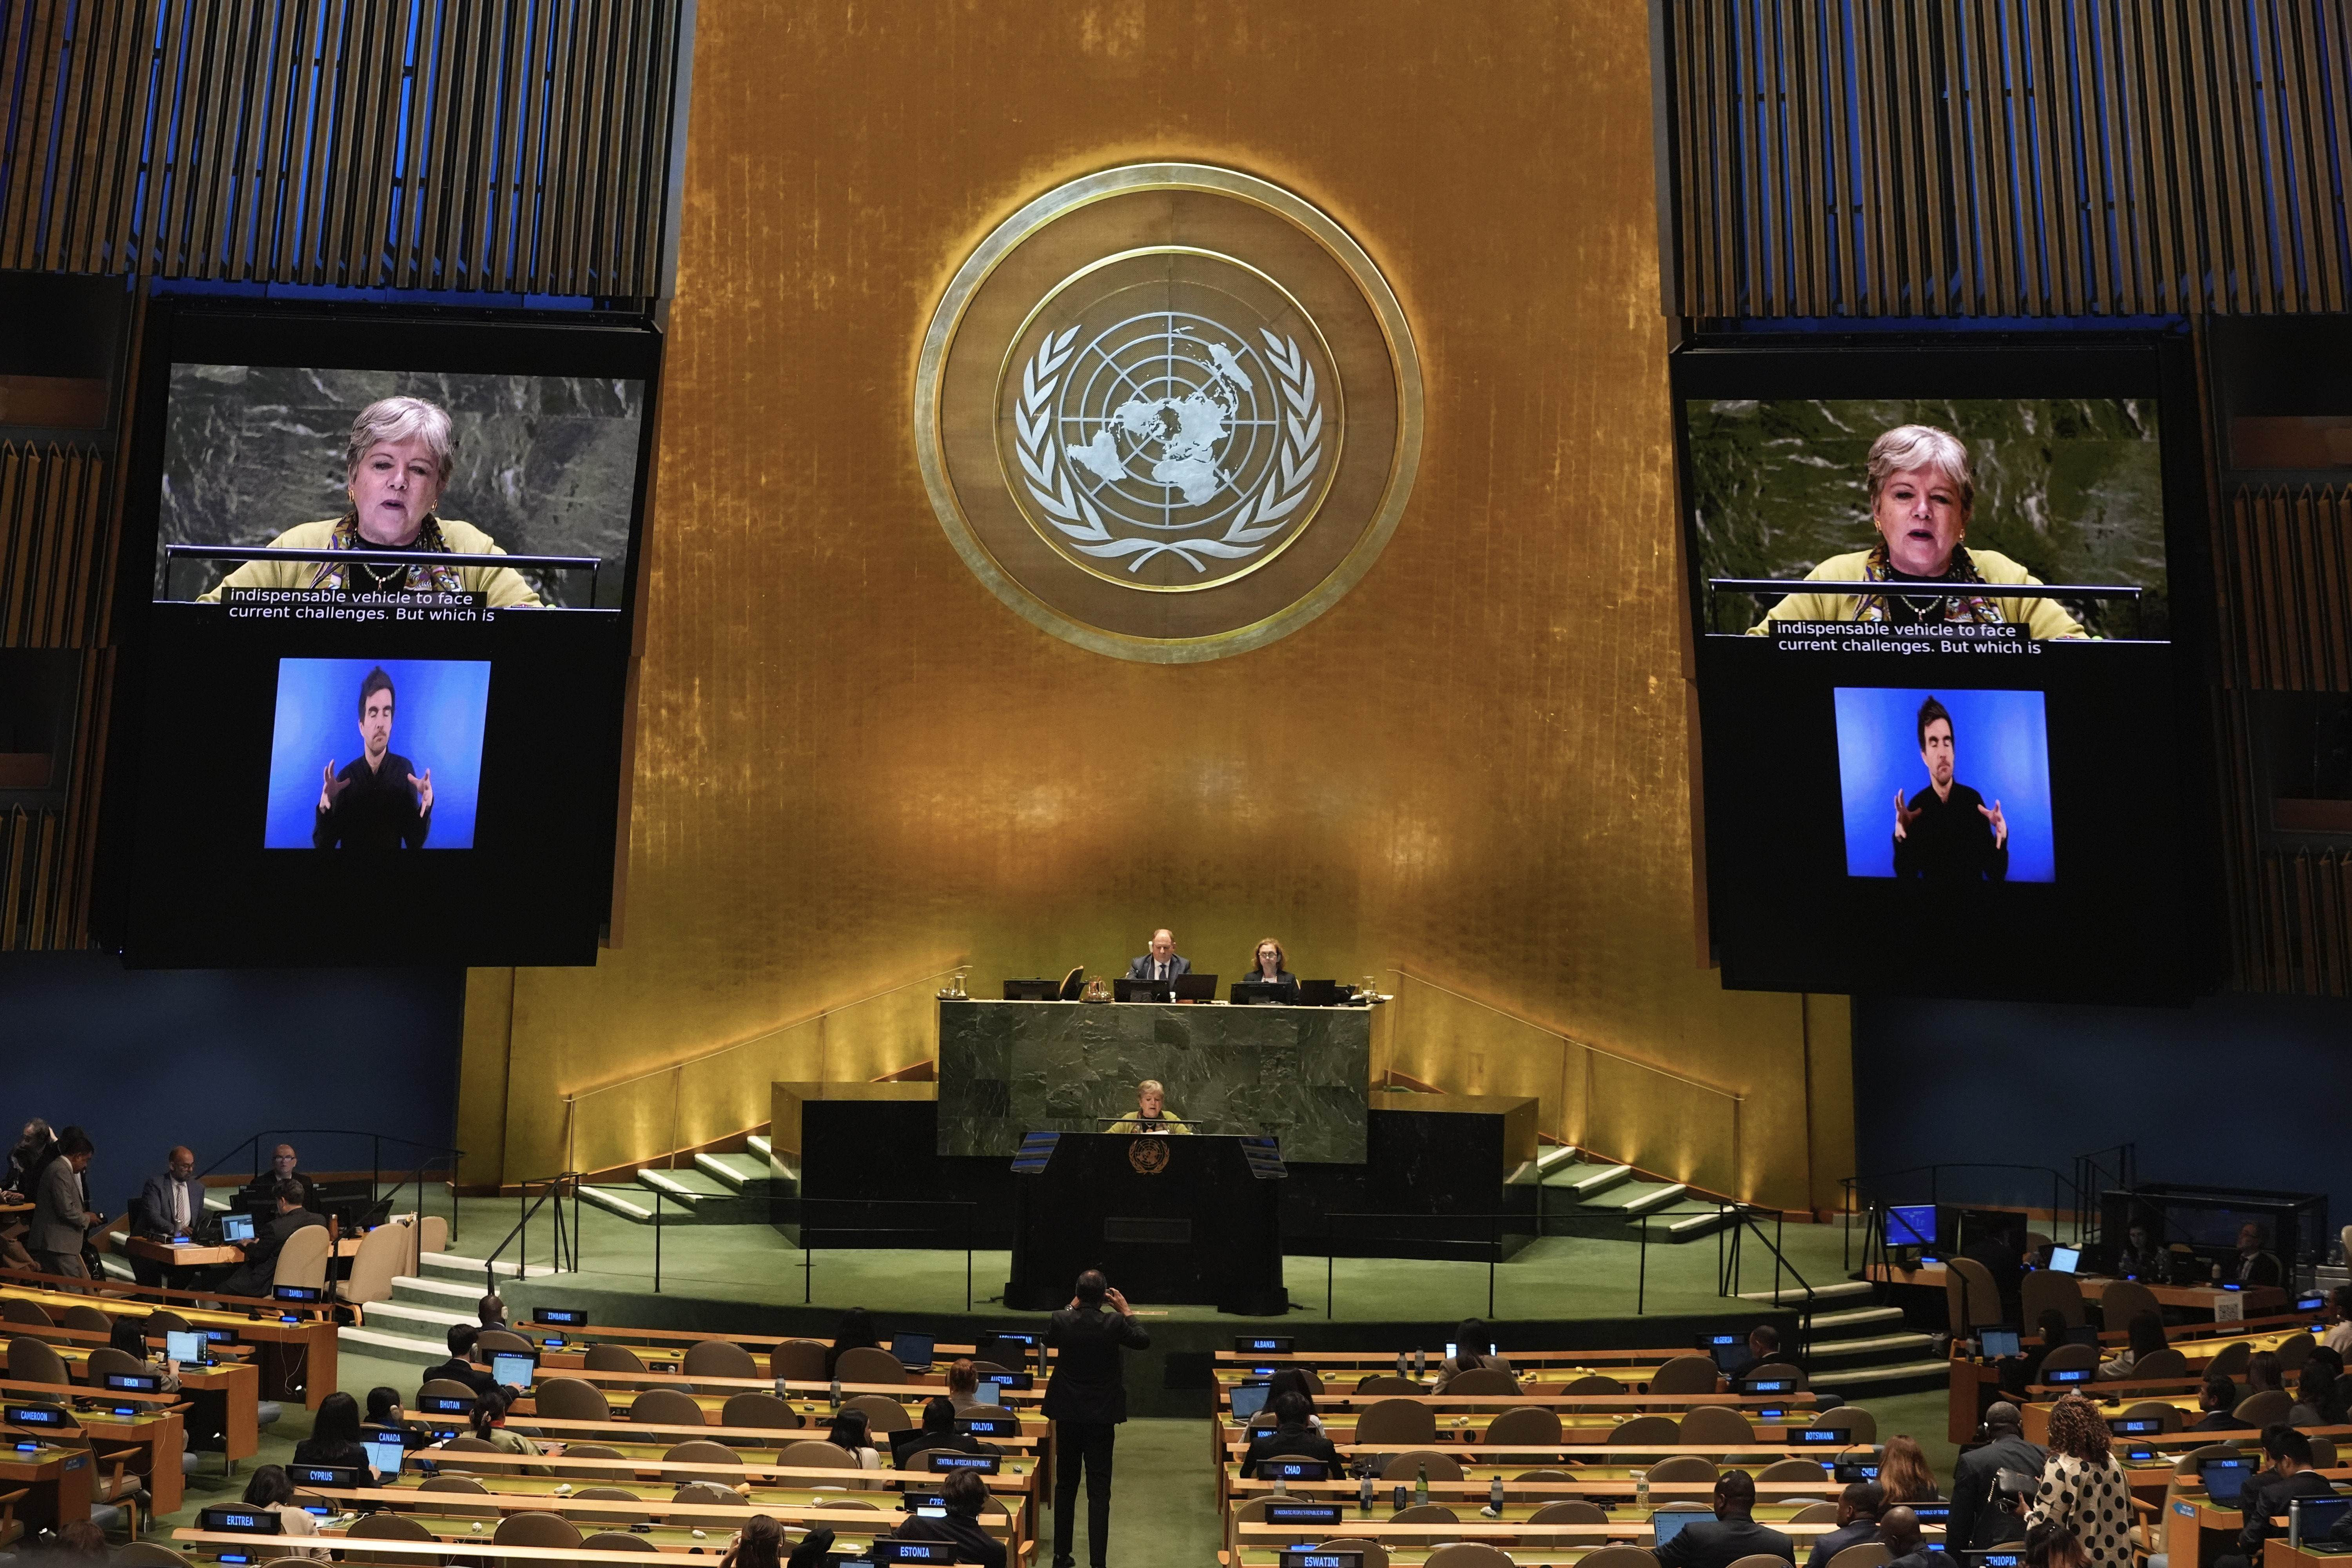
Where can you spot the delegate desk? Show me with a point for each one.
(1975, 1384)
(1299, 1074)
(2210, 1300)
(296, 1354)
(57, 1482)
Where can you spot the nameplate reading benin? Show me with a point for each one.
(1148, 1156)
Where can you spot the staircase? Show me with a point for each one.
(415, 1325)
(717, 1189)
(1583, 1194)
(1859, 1349)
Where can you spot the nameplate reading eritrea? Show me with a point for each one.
(421, 607)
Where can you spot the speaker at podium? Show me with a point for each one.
(1179, 1221)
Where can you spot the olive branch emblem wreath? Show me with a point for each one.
(1259, 517)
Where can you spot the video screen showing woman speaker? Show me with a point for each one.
(1932, 587)
(395, 556)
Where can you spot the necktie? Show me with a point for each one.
(179, 1207)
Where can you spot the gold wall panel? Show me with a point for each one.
(851, 758)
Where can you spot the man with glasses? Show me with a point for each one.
(259, 1195)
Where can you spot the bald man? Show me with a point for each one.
(259, 1195)
(172, 1204)
(1164, 962)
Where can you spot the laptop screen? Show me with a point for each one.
(2065, 1260)
(1911, 1225)
(1665, 1524)
(912, 1350)
(1998, 1343)
(186, 1347)
(988, 1392)
(2224, 1478)
(1728, 1350)
(236, 1228)
(2314, 1518)
(512, 1368)
(1249, 1398)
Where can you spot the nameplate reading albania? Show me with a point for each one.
(452, 606)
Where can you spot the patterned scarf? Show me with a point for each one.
(1960, 609)
(414, 579)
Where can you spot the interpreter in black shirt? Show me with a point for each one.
(1946, 833)
(379, 800)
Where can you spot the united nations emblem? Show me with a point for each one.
(1149, 1155)
(1168, 412)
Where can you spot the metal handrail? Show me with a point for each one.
(1494, 1244)
(1856, 1200)
(566, 1247)
(1728, 1280)
(808, 1252)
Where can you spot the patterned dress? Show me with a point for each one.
(2094, 1500)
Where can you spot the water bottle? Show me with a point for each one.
(1401, 1372)
(1494, 1497)
(1281, 1486)
(780, 1389)
(1364, 1495)
(1416, 1361)
(836, 1394)
(1420, 1483)
(1642, 1491)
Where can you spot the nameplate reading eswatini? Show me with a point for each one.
(424, 607)
(1865, 636)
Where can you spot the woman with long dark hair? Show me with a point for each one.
(2318, 1397)
(2146, 1337)
(855, 1332)
(2082, 1487)
(850, 1431)
(334, 1438)
(759, 1544)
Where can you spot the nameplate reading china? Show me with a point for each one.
(1168, 412)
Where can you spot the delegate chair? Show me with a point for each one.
(382, 1527)
(1757, 1559)
(1655, 1431)
(1570, 1511)
(569, 1399)
(2165, 1362)
(460, 1484)
(2293, 1353)
(1375, 1555)
(760, 1410)
(1858, 1426)
(1865, 1554)
(2231, 1360)
(1683, 1468)
(815, 1455)
(1425, 1513)
(583, 1472)
(1791, 1470)
(1974, 1300)
(711, 1495)
(537, 1529)
(2120, 1303)
(1779, 1371)
(618, 1540)
(1618, 1557)
(490, 1342)
(2047, 1289)
(612, 1358)
(1815, 1514)
(1407, 1464)
(1528, 1426)
(303, 1259)
(32, 1360)
(2153, 1409)
(90, 1319)
(385, 1254)
(2071, 1358)
(1483, 1380)
(868, 1363)
(702, 1451)
(1686, 1374)
(445, 1388)
(717, 1358)
(1717, 1424)
(2267, 1408)
(797, 1361)
(17, 1310)
(1474, 1554)
(147, 1555)
(461, 1456)
(1387, 1382)
(883, 1414)
(666, 1408)
(106, 1362)
(597, 1494)
(1403, 1421)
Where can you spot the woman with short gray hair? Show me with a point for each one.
(1922, 494)
(396, 460)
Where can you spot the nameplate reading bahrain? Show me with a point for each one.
(1856, 637)
(422, 607)
(1168, 412)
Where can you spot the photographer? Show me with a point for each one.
(1086, 1399)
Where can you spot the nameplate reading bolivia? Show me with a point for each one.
(422, 608)
(1864, 636)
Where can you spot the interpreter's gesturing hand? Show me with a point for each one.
(331, 786)
(2000, 824)
(423, 788)
(1904, 817)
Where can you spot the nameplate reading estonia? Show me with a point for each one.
(346, 605)
(1866, 637)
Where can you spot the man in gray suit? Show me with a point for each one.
(60, 1221)
(1164, 962)
(172, 1204)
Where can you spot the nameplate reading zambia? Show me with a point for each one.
(1873, 637)
(424, 607)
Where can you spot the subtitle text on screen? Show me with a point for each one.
(344, 604)
(1851, 636)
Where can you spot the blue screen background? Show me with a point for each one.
(439, 709)
(2003, 754)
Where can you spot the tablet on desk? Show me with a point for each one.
(237, 1229)
(186, 1346)
(1995, 1343)
(2224, 1478)
(2065, 1260)
(1249, 1398)
(1667, 1523)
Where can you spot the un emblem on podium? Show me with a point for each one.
(1149, 1155)
(1168, 412)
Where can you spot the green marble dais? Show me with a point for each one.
(1301, 1074)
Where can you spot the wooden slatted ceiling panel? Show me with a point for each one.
(503, 145)
(2009, 157)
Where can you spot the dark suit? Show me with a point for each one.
(2268, 1501)
(260, 1194)
(58, 1222)
(1828, 1546)
(257, 1273)
(1972, 1477)
(1086, 1400)
(2221, 1421)
(152, 1216)
(973, 1543)
(1721, 1545)
(2257, 1271)
(1141, 969)
(1289, 1442)
(905, 1446)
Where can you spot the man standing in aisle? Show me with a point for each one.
(61, 1220)
(1086, 1400)
(1164, 962)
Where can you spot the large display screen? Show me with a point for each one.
(1964, 765)
(379, 670)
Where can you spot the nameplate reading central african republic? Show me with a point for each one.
(1168, 412)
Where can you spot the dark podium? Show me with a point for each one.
(1170, 1220)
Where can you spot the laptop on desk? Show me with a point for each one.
(1319, 994)
(1125, 990)
(1196, 987)
(1264, 993)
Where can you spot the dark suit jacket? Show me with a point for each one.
(2269, 1502)
(1972, 1478)
(2221, 1421)
(57, 1210)
(154, 1212)
(1142, 968)
(2259, 1270)
(261, 1192)
(905, 1446)
(973, 1543)
(1828, 1546)
(1721, 1545)
(1300, 1442)
(1088, 1385)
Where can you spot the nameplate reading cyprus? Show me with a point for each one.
(1862, 636)
(419, 607)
